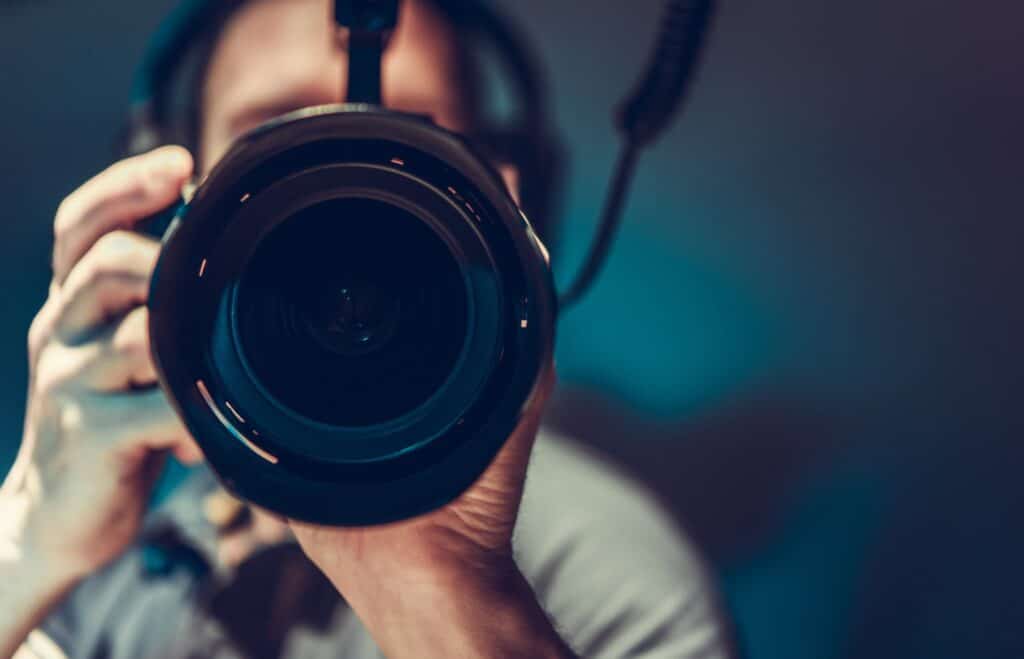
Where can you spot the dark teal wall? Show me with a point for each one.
(806, 339)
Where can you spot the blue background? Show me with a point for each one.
(806, 339)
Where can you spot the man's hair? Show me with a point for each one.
(185, 98)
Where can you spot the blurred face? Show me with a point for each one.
(276, 56)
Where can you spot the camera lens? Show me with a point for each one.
(352, 312)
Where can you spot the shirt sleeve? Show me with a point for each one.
(111, 614)
(73, 628)
(616, 576)
(39, 645)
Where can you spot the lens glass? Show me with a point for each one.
(352, 312)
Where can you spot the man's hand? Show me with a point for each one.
(96, 425)
(446, 584)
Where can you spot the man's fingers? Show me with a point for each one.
(112, 277)
(116, 360)
(128, 346)
(542, 392)
(187, 451)
(124, 360)
(515, 453)
(120, 359)
(127, 421)
(123, 194)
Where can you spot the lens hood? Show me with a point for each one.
(350, 315)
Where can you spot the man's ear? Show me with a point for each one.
(510, 174)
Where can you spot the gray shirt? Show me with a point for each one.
(615, 576)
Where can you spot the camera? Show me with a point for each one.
(350, 315)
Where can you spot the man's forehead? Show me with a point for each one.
(278, 55)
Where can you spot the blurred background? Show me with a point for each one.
(806, 339)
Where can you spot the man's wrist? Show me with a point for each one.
(33, 564)
(37, 570)
(482, 610)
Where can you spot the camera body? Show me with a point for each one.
(350, 314)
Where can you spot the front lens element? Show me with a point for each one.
(352, 312)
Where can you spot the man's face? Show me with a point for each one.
(280, 55)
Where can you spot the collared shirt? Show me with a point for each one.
(616, 577)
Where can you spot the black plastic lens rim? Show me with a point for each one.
(407, 482)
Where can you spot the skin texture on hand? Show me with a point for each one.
(446, 584)
(474, 530)
(97, 427)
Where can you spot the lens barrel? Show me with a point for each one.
(350, 315)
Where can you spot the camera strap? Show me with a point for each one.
(366, 24)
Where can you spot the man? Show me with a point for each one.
(573, 561)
